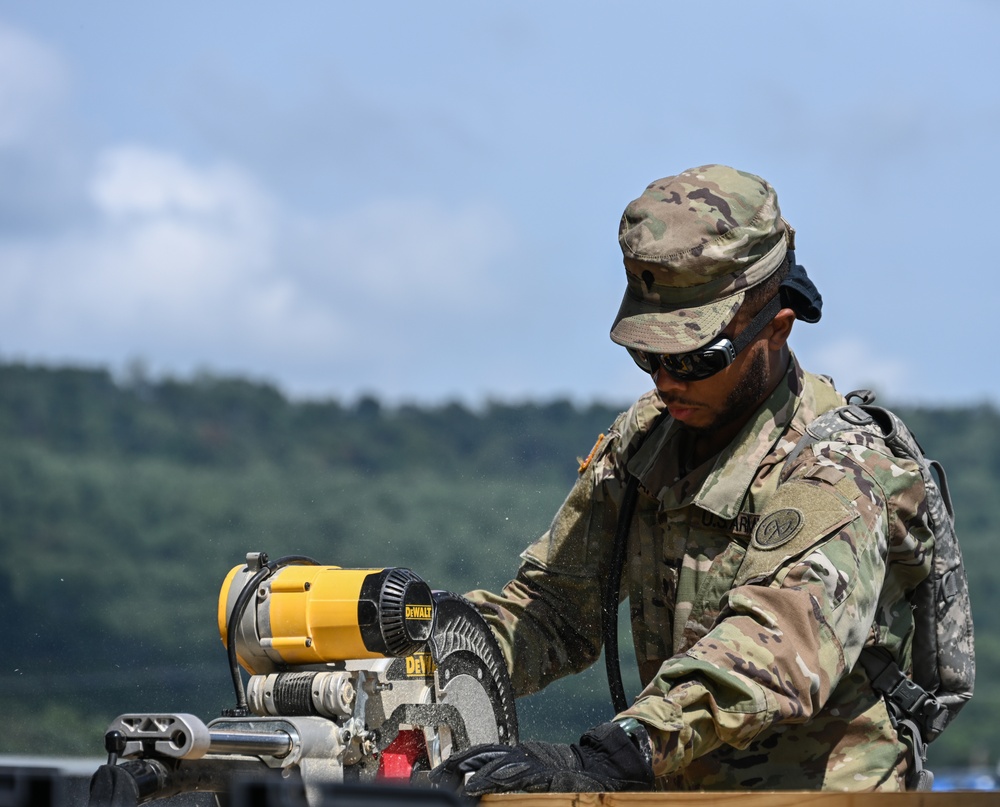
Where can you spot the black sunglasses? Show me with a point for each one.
(706, 361)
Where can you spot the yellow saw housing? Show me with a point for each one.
(308, 616)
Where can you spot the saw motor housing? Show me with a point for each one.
(308, 615)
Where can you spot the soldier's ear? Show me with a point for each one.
(781, 327)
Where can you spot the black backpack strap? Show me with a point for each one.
(910, 699)
(916, 714)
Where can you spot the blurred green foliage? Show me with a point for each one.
(123, 504)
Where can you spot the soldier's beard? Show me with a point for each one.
(744, 398)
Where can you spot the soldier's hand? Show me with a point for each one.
(604, 760)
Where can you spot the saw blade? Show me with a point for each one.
(470, 671)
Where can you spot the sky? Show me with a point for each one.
(421, 201)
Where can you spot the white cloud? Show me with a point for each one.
(188, 265)
(138, 181)
(180, 266)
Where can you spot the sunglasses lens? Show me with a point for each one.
(693, 366)
(685, 366)
(700, 364)
(689, 366)
(645, 361)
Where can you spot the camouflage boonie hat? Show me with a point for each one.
(693, 243)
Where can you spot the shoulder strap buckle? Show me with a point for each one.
(855, 415)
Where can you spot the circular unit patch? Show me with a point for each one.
(777, 528)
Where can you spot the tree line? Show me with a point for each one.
(124, 502)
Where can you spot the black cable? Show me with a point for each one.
(248, 592)
(612, 594)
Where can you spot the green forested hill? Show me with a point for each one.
(123, 506)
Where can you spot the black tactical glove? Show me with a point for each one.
(605, 759)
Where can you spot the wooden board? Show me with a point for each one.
(965, 798)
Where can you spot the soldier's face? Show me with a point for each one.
(732, 394)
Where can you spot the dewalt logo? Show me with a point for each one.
(419, 611)
(419, 664)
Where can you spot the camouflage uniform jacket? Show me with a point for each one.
(753, 585)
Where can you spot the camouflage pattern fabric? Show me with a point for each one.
(750, 598)
(943, 652)
(692, 244)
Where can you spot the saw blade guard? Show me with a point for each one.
(471, 672)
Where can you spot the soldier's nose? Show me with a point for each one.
(666, 382)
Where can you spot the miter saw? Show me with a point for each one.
(356, 675)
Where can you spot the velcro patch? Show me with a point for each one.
(777, 528)
(799, 516)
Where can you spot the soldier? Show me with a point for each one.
(755, 574)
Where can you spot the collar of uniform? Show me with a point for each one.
(725, 488)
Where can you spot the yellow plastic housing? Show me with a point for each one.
(308, 616)
(314, 614)
(223, 613)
